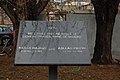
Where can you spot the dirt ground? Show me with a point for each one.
(94, 72)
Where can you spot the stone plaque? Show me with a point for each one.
(52, 42)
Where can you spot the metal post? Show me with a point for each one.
(53, 72)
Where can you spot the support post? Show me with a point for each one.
(53, 72)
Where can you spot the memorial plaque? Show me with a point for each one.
(52, 42)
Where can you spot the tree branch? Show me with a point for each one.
(9, 11)
(41, 5)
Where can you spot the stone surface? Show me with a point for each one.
(53, 42)
(91, 31)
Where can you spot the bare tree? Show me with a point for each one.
(1, 16)
(22, 10)
(105, 12)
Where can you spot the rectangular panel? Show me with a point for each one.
(52, 42)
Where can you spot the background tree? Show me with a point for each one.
(105, 12)
(22, 10)
(1, 16)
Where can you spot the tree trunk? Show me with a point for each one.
(30, 10)
(105, 12)
(14, 18)
(34, 10)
